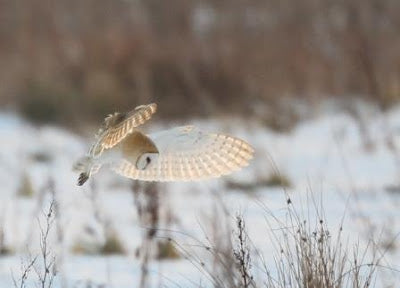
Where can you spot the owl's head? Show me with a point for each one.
(146, 160)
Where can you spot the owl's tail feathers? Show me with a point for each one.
(83, 177)
(86, 167)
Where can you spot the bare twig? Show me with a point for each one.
(47, 272)
(242, 253)
(25, 270)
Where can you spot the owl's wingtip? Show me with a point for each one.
(153, 107)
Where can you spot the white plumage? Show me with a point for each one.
(179, 154)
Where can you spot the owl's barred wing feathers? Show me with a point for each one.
(186, 153)
(119, 125)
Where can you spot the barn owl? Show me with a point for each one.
(178, 154)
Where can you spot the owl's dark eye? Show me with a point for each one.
(148, 160)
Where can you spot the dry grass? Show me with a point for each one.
(307, 255)
(112, 245)
(210, 56)
(166, 250)
(81, 247)
(310, 255)
(41, 157)
(277, 180)
(25, 188)
(4, 249)
(272, 180)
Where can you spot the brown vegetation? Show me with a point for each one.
(25, 188)
(60, 59)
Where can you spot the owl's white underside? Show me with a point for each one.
(186, 153)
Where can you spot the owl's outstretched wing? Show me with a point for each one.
(187, 154)
(119, 125)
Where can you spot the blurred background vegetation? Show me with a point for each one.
(66, 61)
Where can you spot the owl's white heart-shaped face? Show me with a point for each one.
(146, 161)
(178, 154)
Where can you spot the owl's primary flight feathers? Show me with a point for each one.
(179, 154)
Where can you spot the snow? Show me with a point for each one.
(325, 155)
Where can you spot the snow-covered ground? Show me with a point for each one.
(327, 155)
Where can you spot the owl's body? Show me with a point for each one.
(179, 154)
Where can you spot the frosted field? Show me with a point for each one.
(326, 155)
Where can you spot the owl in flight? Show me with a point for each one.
(179, 154)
